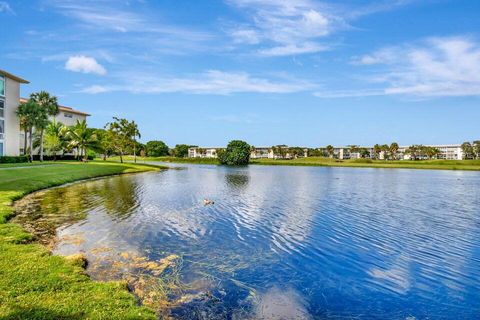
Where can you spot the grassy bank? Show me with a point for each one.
(328, 162)
(169, 159)
(36, 285)
(367, 163)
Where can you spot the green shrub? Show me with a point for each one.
(237, 153)
(16, 159)
(91, 155)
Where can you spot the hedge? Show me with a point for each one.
(8, 159)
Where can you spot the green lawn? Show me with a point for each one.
(367, 163)
(37, 285)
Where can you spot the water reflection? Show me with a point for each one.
(45, 211)
(279, 242)
(237, 181)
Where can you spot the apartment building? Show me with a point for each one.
(9, 124)
(11, 137)
(447, 152)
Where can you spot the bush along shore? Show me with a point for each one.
(37, 285)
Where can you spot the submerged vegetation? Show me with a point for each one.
(37, 285)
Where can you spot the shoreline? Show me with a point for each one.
(455, 165)
(29, 270)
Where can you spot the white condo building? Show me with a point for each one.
(256, 153)
(447, 152)
(11, 137)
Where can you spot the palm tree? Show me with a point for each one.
(393, 149)
(476, 145)
(82, 138)
(467, 149)
(330, 150)
(133, 132)
(55, 137)
(385, 148)
(29, 113)
(376, 150)
(48, 107)
(24, 125)
(413, 151)
(431, 152)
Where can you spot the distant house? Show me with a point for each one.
(447, 152)
(197, 152)
(11, 137)
(279, 152)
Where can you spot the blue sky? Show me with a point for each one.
(300, 72)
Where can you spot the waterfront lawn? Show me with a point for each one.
(37, 285)
(169, 159)
(367, 163)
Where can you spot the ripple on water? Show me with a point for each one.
(279, 242)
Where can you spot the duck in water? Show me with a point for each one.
(207, 202)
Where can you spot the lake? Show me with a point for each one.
(279, 242)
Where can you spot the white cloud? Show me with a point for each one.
(248, 36)
(287, 27)
(212, 82)
(292, 49)
(5, 7)
(436, 67)
(109, 16)
(84, 64)
(95, 89)
(294, 27)
(385, 56)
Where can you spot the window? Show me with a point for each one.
(1, 149)
(68, 115)
(2, 86)
(2, 126)
(2, 109)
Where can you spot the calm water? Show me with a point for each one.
(282, 242)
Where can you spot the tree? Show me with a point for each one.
(468, 150)
(181, 150)
(133, 132)
(354, 149)
(236, 153)
(364, 153)
(376, 151)
(120, 135)
(315, 152)
(330, 150)
(48, 106)
(156, 149)
(385, 149)
(476, 146)
(104, 145)
(55, 133)
(28, 113)
(393, 149)
(295, 152)
(431, 152)
(82, 138)
(413, 151)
